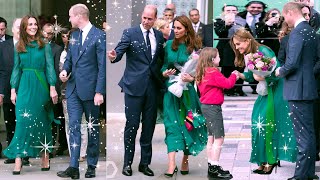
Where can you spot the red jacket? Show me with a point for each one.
(212, 85)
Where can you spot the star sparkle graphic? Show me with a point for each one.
(25, 114)
(259, 124)
(45, 146)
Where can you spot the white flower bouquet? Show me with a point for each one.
(190, 68)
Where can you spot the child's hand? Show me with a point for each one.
(168, 72)
(235, 72)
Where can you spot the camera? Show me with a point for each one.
(274, 14)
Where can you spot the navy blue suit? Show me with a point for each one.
(300, 91)
(141, 83)
(87, 65)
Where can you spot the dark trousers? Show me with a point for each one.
(76, 107)
(10, 120)
(316, 121)
(136, 108)
(59, 129)
(226, 71)
(302, 119)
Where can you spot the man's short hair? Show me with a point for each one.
(194, 9)
(229, 6)
(294, 6)
(2, 20)
(264, 6)
(80, 9)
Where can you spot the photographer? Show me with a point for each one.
(269, 27)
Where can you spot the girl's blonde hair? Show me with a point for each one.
(206, 56)
(242, 35)
(160, 23)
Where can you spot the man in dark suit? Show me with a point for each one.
(141, 82)
(300, 87)
(6, 66)
(48, 34)
(85, 71)
(197, 25)
(3, 29)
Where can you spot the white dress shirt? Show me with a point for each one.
(299, 21)
(85, 31)
(152, 37)
(196, 26)
(249, 18)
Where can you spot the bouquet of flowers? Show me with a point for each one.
(261, 66)
(189, 67)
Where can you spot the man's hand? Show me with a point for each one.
(98, 99)
(63, 76)
(112, 55)
(278, 71)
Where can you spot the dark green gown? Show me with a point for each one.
(32, 74)
(272, 130)
(175, 110)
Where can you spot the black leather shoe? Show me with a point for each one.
(293, 178)
(69, 172)
(146, 170)
(127, 171)
(313, 177)
(91, 172)
(9, 161)
(25, 161)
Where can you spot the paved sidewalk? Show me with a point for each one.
(234, 157)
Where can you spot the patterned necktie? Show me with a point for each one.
(195, 28)
(253, 26)
(148, 44)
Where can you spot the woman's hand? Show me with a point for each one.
(258, 78)
(53, 94)
(185, 77)
(13, 97)
(168, 72)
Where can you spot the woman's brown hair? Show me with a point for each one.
(25, 38)
(192, 41)
(206, 57)
(242, 35)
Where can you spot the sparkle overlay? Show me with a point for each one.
(45, 146)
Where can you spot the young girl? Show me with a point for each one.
(211, 83)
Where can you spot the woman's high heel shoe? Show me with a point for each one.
(47, 168)
(17, 172)
(270, 171)
(168, 175)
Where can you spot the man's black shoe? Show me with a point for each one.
(146, 170)
(9, 161)
(215, 171)
(91, 172)
(69, 172)
(127, 171)
(25, 161)
(293, 178)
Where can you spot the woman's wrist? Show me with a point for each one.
(52, 88)
(13, 90)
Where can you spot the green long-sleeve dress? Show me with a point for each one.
(272, 130)
(32, 74)
(175, 110)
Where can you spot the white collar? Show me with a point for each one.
(144, 30)
(250, 15)
(198, 24)
(299, 21)
(86, 28)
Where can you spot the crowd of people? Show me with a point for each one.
(285, 115)
(51, 94)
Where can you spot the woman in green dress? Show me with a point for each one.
(32, 74)
(272, 130)
(178, 137)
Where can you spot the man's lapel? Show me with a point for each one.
(86, 41)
